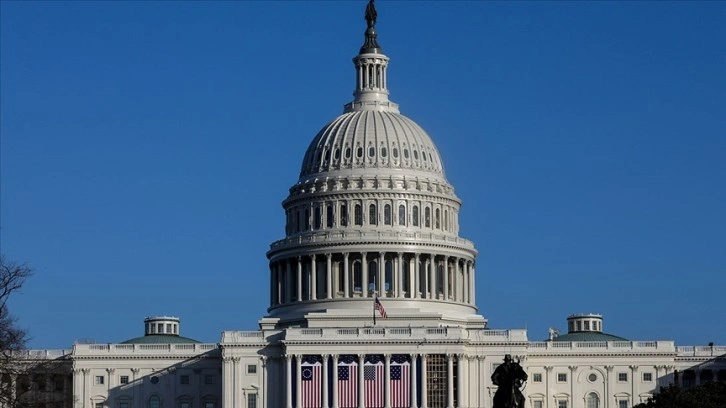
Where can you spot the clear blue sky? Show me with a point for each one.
(146, 148)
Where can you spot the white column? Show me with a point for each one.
(460, 379)
(446, 279)
(346, 274)
(432, 278)
(414, 391)
(288, 281)
(387, 382)
(299, 279)
(399, 276)
(361, 381)
(288, 381)
(324, 369)
(417, 276)
(329, 275)
(381, 274)
(424, 388)
(335, 381)
(262, 395)
(227, 386)
(137, 390)
(364, 268)
(313, 278)
(472, 276)
(298, 376)
(450, 380)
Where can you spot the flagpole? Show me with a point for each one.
(374, 308)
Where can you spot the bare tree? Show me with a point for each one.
(12, 278)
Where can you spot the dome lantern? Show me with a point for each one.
(371, 91)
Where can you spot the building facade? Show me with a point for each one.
(372, 300)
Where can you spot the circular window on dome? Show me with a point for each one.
(384, 152)
(592, 377)
(395, 152)
(371, 151)
(405, 153)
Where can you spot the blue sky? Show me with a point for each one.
(146, 147)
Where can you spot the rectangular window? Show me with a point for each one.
(622, 377)
(99, 405)
(587, 325)
(124, 379)
(123, 405)
(562, 404)
(99, 380)
(561, 377)
(185, 404)
(251, 400)
(623, 404)
(537, 377)
(647, 377)
(209, 379)
(208, 405)
(251, 369)
(59, 384)
(536, 404)
(184, 379)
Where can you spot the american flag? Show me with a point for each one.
(310, 381)
(400, 381)
(348, 381)
(373, 376)
(378, 306)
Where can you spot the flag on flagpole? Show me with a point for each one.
(379, 307)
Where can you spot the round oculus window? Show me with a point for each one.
(154, 380)
(592, 377)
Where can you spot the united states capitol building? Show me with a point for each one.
(372, 216)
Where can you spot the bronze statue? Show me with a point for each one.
(371, 13)
(509, 377)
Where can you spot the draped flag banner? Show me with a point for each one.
(311, 381)
(374, 376)
(348, 381)
(400, 381)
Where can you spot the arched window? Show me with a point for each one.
(357, 276)
(154, 402)
(329, 216)
(387, 214)
(343, 215)
(307, 219)
(372, 215)
(438, 219)
(415, 216)
(372, 275)
(401, 214)
(446, 220)
(592, 400)
(358, 214)
(427, 217)
(300, 220)
(318, 219)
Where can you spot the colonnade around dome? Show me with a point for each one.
(348, 275)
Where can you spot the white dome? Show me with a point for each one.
(371, 139)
